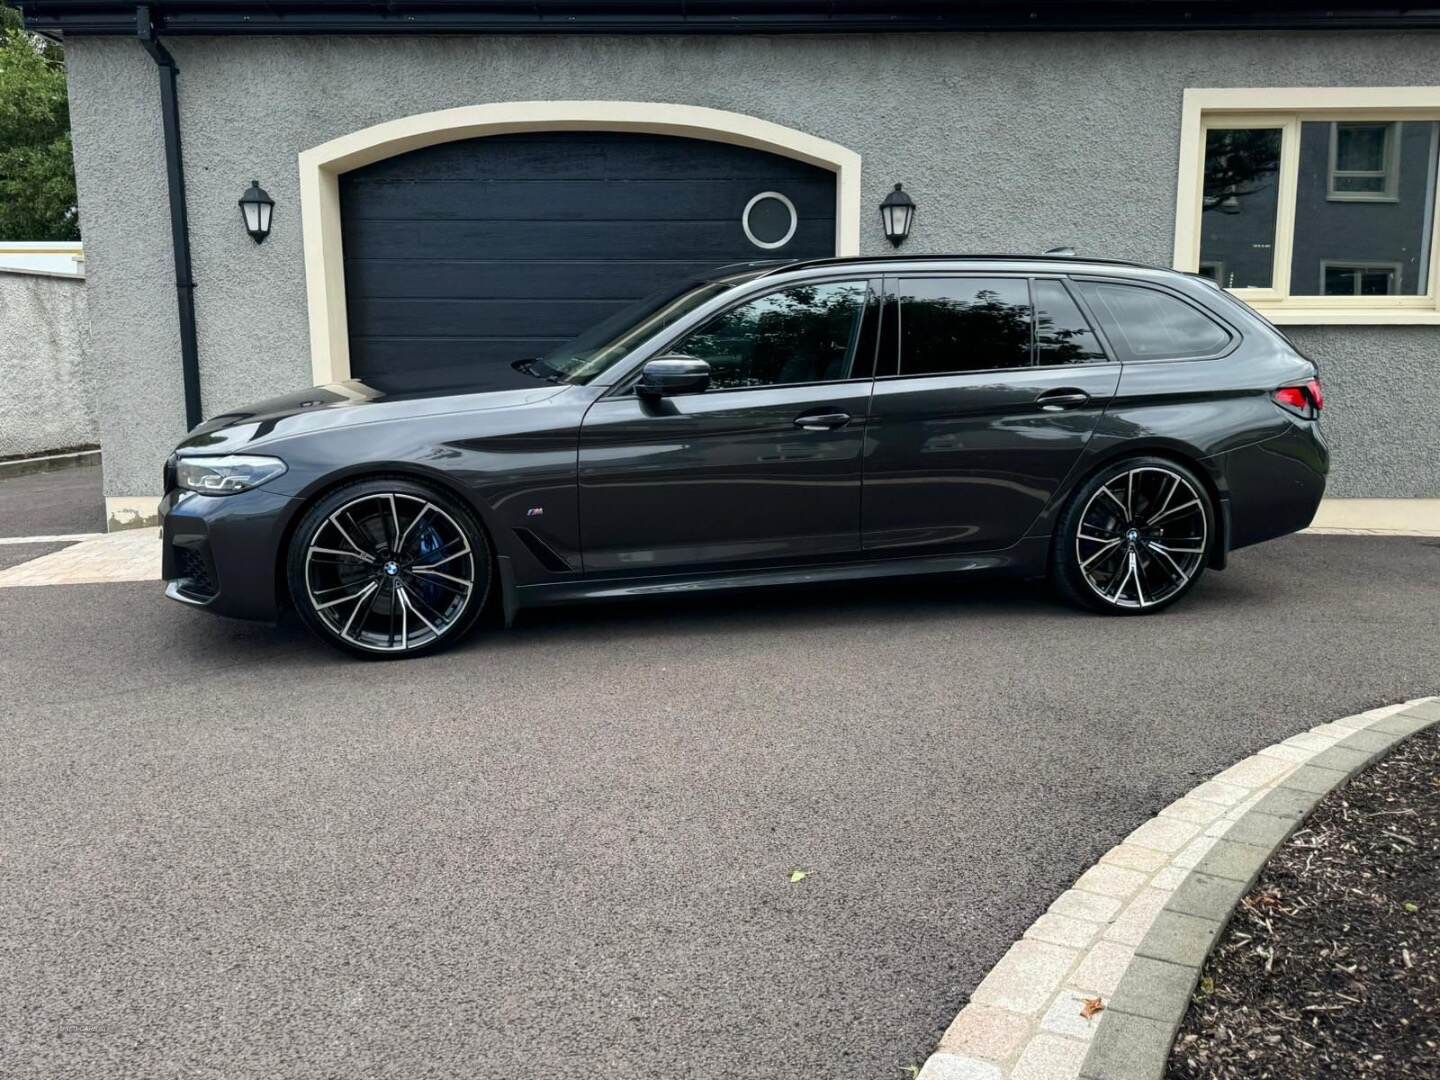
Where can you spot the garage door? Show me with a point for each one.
(489, 250)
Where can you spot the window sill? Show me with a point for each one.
(1349, 316)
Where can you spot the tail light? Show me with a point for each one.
(1305, 400)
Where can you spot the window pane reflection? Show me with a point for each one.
(963, 324)
(799, 335)
(1364, 209)
(1237, 221)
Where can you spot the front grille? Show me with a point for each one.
(196, 578)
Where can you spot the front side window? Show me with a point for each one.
(1303, 208)
(951, 325)
(804, 334)
(1152, 325)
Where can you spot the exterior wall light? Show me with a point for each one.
(256, 207)
(896, 214)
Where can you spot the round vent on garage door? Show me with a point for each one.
(769, 220)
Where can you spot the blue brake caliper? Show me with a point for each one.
(430, 546)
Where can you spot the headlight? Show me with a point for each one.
(226, 475)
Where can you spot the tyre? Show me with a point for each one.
(389, 567)
(1134, 538)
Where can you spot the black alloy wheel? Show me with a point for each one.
(1134, 538)
(389, 567)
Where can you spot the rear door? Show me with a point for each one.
(988, 388)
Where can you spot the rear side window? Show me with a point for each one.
(949, 325)
(1152, 325)
(1062, 336)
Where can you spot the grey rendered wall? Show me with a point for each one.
(1007, 142)
(46, 377)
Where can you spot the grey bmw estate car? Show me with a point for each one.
(1117, 428)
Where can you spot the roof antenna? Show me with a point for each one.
(1061, 252)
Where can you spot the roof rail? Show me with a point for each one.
(844, 260)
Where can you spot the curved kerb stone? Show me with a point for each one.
(1136, 927)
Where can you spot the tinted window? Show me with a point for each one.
(1151, 324)
(798, 335)
(963, 324)
(1062, 336)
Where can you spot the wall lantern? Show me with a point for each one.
(256, 207)
(896, 214)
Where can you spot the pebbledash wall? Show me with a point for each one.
(47, 375)
(1008, 143)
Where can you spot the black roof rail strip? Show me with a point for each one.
(857, 260)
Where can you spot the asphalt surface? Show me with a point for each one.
(15, 554)
(52, 503)
(226, 851)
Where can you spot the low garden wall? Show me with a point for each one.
(46, 374)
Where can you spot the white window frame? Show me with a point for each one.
(1286, 109)
(1389, 171)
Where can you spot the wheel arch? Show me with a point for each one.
(1208, 469)
(356, 474)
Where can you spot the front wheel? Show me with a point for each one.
(388, 568)
(1134, 538)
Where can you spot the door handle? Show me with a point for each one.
(1058, 400)
(825, 421)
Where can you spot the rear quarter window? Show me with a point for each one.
(1147, 324)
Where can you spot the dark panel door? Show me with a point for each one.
(489, 250)
(969, 441)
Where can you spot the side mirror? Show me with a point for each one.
(667, 376)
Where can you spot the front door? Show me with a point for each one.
(987, 391)
(763, 467)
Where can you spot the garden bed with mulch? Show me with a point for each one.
(1331, 964)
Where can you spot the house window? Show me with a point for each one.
(1363, 162)
(1359, 279)
(1313, 205)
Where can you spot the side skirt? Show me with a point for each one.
(1025, 558)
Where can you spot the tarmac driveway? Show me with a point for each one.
(564, 851)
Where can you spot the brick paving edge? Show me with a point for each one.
(1135, 928)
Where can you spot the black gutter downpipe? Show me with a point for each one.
(179, 220)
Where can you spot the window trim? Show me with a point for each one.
(1389, 171)
(1287, 108)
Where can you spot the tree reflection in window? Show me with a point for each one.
(963, 324)
(1240, 200)
(798, 335)
(1062, 336)
(1239, 163)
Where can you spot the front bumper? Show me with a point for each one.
(223, 553)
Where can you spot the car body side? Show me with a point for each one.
(513, 452)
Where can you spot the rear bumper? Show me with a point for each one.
(1275, 486)
(222, 554)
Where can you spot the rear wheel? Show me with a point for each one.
(1134, 538)
(388, 568)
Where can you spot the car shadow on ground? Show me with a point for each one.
(973, 604)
